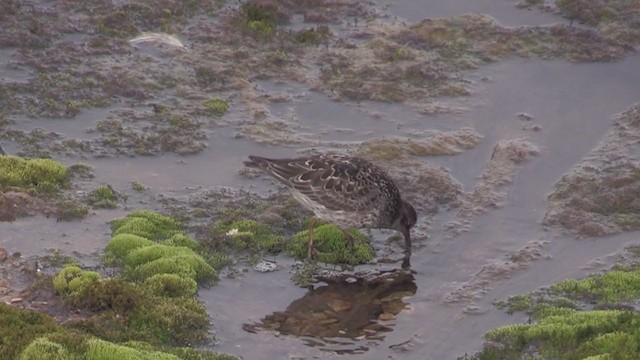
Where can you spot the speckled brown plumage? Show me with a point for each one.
(348, 191)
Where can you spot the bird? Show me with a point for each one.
(349, 191)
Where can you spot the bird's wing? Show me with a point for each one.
(333, 182)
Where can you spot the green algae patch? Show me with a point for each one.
(332, 245)
(32, 175)
(249, 234)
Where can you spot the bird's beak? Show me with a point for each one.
(406, 263)
(407, 241)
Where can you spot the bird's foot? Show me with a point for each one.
(406, 264)
(350, 238)
(312, 248)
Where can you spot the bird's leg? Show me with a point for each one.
(312, 223)
(406, 262)
(349, 238)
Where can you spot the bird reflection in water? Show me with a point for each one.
(346, 307)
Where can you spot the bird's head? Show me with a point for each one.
(406, 219)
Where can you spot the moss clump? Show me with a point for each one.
(216, 106)
(30, 335)
(134, 245)
(333, 246)
(614, 18)
(152, 299)
(250, 234)
(70, 210)
(312, 36)
(171, 285)
(121, 245)
(124, 311)
(153, 252)
(19, 327)
(561, 331)
(191, 354)
(136, 186)
(148, 224)
(111, 295)
(177, 321)
(32, 175)
(103, 197)
(72, 279)
(188, 265)
(144, 228)
(611, 287)
(163, 266)
(133, 17)
(572, 335)
(103, 350)
(599, 196)
(43, 349)
(260, 19)
(181, 240)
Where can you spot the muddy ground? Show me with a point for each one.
(511, 126)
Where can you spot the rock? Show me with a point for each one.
(475, 310)
(386, 317)
(338, 305)
(393, 307)
(265, 266)
(396, 296)
(328, 321)
(3, 254)
(405, 345)
(524, 116)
